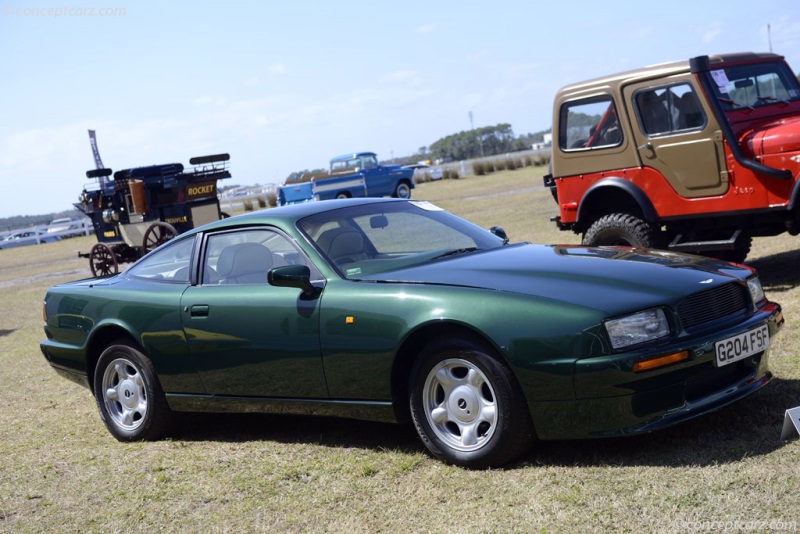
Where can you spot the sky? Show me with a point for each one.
(285, 86)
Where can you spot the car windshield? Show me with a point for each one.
(374, 238)
(755, 85)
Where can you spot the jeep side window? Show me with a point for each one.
(590, 123)
(664, 110)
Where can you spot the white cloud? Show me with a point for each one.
(711, 32)
(425, 28)
(278, 68)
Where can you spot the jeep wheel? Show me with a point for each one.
(622, 229)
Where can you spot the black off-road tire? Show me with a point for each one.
(467, 406)
(622, 229)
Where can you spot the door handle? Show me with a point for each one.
(199, 310)
(648, 146)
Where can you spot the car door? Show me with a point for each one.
(678, 136)
(376, 179)
(249, 338)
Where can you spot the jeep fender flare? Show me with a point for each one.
(613, 185)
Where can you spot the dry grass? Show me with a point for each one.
(61, 471)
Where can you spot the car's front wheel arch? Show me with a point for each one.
(410, 349)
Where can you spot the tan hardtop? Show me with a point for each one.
(661, 70)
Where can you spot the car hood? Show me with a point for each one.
(777, 137)
(612, 279)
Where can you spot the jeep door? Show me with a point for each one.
(677, 135)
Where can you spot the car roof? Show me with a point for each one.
(352, 155)
(294, 212)
(664, 69)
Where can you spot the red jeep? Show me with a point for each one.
(699, 155)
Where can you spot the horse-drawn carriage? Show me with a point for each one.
(143, 207)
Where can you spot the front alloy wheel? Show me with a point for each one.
(467, 406)
(460, 405)
(128, 395)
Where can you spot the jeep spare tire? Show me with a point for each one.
(621, 229)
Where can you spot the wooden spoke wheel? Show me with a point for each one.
(158, 234)
(102, 260)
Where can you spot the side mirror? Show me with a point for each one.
(499, 232)
(298, 276)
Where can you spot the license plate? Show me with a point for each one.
(740, 347)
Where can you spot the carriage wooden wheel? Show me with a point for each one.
(157, 234)
(102, 260)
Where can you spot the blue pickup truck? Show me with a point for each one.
(350, 176)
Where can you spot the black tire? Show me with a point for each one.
(622, 229)
(467, 406)
(128, 395)
(403, 190)
(343, 195)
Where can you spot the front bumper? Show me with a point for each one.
(612, 400)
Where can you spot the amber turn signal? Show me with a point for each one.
(660, 361)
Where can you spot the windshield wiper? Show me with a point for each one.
(735, 104)
(455, 252)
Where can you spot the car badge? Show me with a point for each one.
(707, 281)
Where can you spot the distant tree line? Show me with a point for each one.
(481, 142)
(486, 141)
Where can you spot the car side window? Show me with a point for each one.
(169, 263)
(589, 124)
(246, 256)
(668, 109)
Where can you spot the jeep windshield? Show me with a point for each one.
(755, 85)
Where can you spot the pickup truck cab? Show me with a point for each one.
(352, 175)
(699, 155)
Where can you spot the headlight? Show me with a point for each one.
(637, 328)
(756, 291)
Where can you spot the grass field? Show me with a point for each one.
(61, 471)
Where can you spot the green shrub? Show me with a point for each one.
(478, 168)
(272, 199)
(500, 164)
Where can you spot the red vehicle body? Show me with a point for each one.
(700, 155)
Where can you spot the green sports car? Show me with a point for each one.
(396, 310)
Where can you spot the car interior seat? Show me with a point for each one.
(343, 245)
(244, 263)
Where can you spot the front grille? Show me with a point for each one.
(713, 304)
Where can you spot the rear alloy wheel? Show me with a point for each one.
(128, 395)
(466, 405)
(622, 229)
